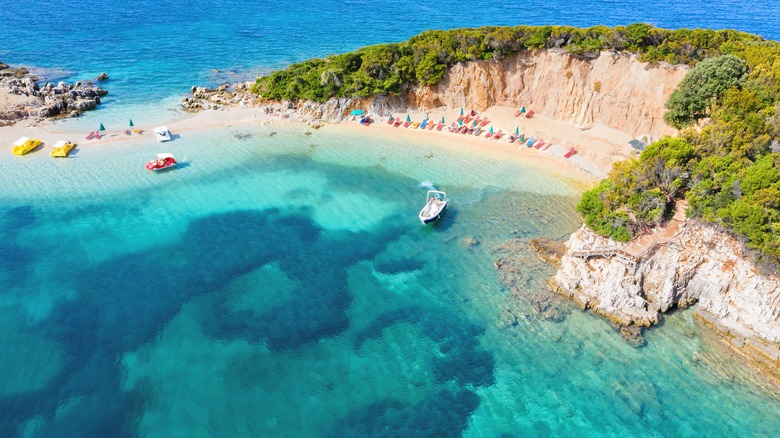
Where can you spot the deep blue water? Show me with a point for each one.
(153, 49)
(281, 285)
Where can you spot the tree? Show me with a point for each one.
(701, 87)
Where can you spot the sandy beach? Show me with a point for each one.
(597, 148)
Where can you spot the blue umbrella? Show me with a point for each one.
(356, 112)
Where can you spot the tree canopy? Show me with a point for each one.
(424, 58)
(701, 88)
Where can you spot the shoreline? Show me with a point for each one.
(597, 148)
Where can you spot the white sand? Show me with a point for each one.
(597, 148)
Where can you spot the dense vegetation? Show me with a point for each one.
(725, 166)
(423, 59)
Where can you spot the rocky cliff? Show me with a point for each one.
(698, 264)
(614, 90)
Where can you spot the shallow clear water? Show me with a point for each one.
(281, 285)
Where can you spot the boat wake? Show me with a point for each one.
(427, 185)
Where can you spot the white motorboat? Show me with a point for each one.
(434, 208)
(162, 133)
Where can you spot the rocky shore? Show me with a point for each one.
(698, 266)
(21, 96)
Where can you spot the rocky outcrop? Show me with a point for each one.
(23, 97)
(700, 264)
(613, 90)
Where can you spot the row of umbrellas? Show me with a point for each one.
(103, 128)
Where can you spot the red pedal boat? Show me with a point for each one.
(163, 161)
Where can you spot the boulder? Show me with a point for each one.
(102, 77)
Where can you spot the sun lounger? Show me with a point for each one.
(530, 142)
(489, 134)
(529, 114)
(483, 122)
(91, 135)
(498, 135)
(430, 126)
(517, 113)
(424, 124)
(390, 120)
(539, 144)
(571, 152)
(439, 126)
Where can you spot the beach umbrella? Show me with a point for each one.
(461, 111)
(356, 112)
(522, 138)
(522, 110)
(460, 122)
(442, 119)
(517, 130)
(491, 129)
(408, 119)
(474, 124)
(102, 128)
(131, 123)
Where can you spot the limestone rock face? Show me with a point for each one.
(614, 90)
(700, 265)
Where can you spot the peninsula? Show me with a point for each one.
(693, 218)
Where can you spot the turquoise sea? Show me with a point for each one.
(281, 285)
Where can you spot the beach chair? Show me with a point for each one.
(397, 122)
(539, 144)
(571, 152)
(484, 122)
(91, 135)
(439, 126)
(529, 114)
(390, 120)
(498, 135)
(424, 124)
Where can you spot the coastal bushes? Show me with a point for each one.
(701, 88)
(424, 58)
(727, 167)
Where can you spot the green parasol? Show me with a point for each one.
(442, 119)
(517, 130)
(461, 111)
(131, 123)
(491, 129)
(522, 110)
(408, 119)
(102, 128)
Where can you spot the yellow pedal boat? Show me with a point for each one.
(25, 145)
(62, 149)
